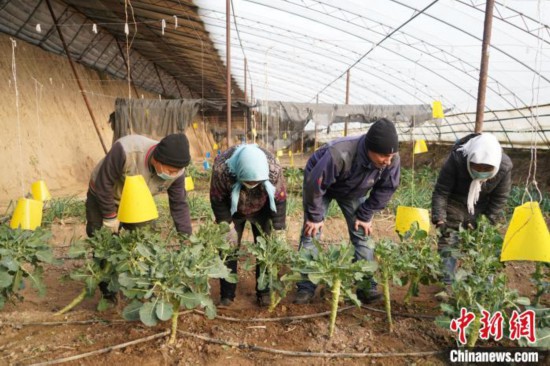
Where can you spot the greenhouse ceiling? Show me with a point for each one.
(397, 52)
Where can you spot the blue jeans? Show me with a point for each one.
(358, 238)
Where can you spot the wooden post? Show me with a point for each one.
(484, 65)
(228, 63)
(76, 77)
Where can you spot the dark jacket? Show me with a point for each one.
(450, 196)
(342, 169)
(251, 202)
(131, 155)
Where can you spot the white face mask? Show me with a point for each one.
(250, 186)
(166, 176)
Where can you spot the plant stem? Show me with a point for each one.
(272, 300)
(334, 308)
(175, 314)
(410, 291)
(387, 302)
(77, 300)
(17, 280)
(474, 334)
(539, 287)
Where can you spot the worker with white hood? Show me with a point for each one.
(475, 180)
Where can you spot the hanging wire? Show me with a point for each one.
(377, 44)
(535, 94)
(240, 42)
(38, 94)
(14, 74)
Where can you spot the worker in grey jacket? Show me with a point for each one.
(162, 164)
(475, 180)
(346, 170)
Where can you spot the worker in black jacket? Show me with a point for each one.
(475, 180)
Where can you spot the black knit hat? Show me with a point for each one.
(173, 150)
(382, 137)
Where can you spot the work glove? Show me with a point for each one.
(112, 224)
(232, 236)
(279, 235)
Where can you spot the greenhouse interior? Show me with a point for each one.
(287, 182)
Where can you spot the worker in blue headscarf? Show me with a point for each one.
(247, 185)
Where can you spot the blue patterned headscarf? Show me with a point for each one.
(249, 163)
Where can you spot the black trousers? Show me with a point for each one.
(261, 219)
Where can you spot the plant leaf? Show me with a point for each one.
(164, 310)
(147, 314)
(131, 312)
(5, 279)
(9, 263)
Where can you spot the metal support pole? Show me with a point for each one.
(484, 65)
(347, 102)
(245, 69)
(315, 140)
(228, 62)
(76, 77)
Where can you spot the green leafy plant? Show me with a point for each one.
(199, 206)
(480, 283)
(22, 254)
(333, 210)
(421, 261)
(273, 255)
(541, 280)
(542, 328)
(106, 256)
(293, 205)
(415, 188)
(294, 178)
(390, 266)
(334, 267)
(62, 209)
(169, 279)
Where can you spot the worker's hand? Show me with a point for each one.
(441, 226)
(312, 228)
(232, 236)
(112, 224)
(279, 235)
(365, 225)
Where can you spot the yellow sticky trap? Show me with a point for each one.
(279, 153)
(136, 203)
(40, 191)
(215, 147)
(284, 135)
(189, 184)
(527, 237)
(437, 110)
(195, 125)
(27, 214)
(406, 216)
(254, 132)
(420, 147)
